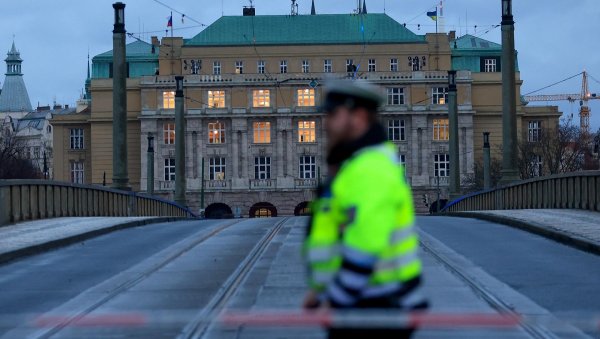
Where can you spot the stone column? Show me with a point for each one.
(454, 137)
(120, 174)
(179, 143)
(510, 171)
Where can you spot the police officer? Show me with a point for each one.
(361, 245)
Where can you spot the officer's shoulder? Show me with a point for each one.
(376, 159)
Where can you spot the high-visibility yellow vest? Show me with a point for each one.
(362, 230)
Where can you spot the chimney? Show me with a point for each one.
(66, 106)
(452, 35)
(57, 107)
(155, 43)
(249, 11)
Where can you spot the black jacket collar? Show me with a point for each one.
(340, 153)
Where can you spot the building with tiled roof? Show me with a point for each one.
(253, 87)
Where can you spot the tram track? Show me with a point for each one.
(199, 326)
(129, 283)
(496, 302)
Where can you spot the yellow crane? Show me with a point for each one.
(584, 97)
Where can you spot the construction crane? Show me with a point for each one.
(584, 97)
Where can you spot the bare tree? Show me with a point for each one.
(475, 182)
(13, 163)
(554, 151)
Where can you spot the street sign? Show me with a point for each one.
(313, 84)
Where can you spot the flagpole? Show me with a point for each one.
(171, 24)
(436, 19)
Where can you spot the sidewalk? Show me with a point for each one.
(576, 228)
(41, 235)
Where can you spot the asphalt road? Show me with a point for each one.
(151, 268)
(559, 278)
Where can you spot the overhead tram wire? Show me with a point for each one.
(554, 84)
(178, 12)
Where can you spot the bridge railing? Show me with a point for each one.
(578, 190)
(22, 200)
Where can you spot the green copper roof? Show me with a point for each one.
(470, 42)
(134, 50)
(304, 30)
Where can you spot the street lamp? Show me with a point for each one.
(150, 165)
(451, 80)
(119, 17)
(487, 162)
(507, 10)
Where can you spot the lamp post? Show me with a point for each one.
(150, 165)
(487, 177)
(510, 171)
(179, 143)
(454, 184)
(120, 174)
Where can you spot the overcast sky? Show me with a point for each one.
(555, 38)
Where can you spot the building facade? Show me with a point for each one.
(255, 141)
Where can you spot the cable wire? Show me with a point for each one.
(554, 84)
(178, 12)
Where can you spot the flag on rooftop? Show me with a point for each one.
(170, 22)
(433, 15)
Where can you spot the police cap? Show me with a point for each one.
(352, 94)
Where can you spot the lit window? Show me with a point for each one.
(306, 97)
(490, 65)
(169, 133)
(239, 67)
(217, 68)
(262, 132)
(439, 95)
(441, 163)
(283, 66)
(216, 169)
(261, 98)
(393, 65)
(77, 172)
(396, 130)
(305, 66)
(441, 129)
(262, 168)
(216, 99)
(395, 96)
(169, 169)
(261, 67)
(308, 167)
(327, 66)
(168, 100)
(216, 133)
(534, 131)
(76, 137)
(372, 65)
(307, 131)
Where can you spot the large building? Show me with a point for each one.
(253, 85)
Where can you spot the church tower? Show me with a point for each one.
(14, 97)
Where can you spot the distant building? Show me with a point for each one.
(253, 86)
(14, 99)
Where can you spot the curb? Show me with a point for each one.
(56, 243)
(567, 239)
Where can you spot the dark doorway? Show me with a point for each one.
(263, 210)
(302, 209)
(218, 211)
